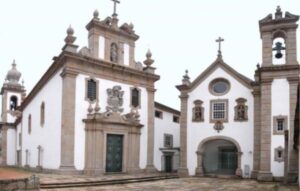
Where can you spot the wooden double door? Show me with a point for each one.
(114, 153)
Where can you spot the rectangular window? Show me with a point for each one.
(280, 124)
(91, 90)
(20, 139)
(158, 114)
(219, 110)
(168, 140)
(175, 119)
(135, 97)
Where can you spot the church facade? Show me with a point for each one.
(93, 111)
(234, 125)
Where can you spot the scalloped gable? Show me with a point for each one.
(220, 63)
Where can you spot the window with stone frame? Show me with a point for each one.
(135, 100)
(42, 114)
(279, 124)
(198, 111)
(29, 124)
(241, 110)
(168, 140)
(219, 111)
(91, 89)
(279, 154)
(175, 119)
(158, 114)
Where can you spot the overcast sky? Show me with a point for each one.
(180, 33)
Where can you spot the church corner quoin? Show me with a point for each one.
(103, 118)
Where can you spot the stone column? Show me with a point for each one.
(256, 145)
(68, 121)
(199, 169)
(150, 146)
(182, 170)
(292, 153)
(264, 173)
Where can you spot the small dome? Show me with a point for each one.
(13, 75)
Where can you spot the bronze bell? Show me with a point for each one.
(278, 47)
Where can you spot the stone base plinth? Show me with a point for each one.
(264, 176)
(183, 172)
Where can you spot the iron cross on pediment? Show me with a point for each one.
(220, 40)
(115, 7)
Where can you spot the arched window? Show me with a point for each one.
(114, 52)
(29, 124)
(13, 103)
(42, 114)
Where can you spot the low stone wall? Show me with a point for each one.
(31, 184)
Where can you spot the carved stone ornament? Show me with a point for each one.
(218, 126)
(115, 99)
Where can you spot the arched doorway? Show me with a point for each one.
(219, 155)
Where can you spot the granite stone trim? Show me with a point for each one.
(225, 119)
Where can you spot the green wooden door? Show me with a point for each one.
(114, 153)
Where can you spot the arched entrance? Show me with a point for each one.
(219, 155)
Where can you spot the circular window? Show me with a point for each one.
(219, 86)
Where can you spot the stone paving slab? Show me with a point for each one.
(190, 184)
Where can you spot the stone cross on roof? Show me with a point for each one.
(115, 7)
(219, 40)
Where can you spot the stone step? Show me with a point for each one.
(105, 182)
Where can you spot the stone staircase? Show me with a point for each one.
(105, 182)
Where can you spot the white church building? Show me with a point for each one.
(93, 111)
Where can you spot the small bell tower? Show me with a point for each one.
(278, 36)
(12, 94)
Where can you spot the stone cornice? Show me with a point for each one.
(275, 68)
(90, 66)
(294, 79)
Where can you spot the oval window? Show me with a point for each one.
(219, 86)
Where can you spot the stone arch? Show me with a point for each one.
(200, 152)
(279, 34)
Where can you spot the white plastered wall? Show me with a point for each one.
(81, 113)
(164, 126)
(241, 132)
(11, 147)
(280, 106)
(49, 135)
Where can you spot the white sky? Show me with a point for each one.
(180, 33)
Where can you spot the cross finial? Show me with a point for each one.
(115, 7)
(219, 40)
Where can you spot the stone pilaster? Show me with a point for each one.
(264, 173)
(256, 144)
(4, 145)
(292, 153)
(199, 169)
(182, 170)
(68, 120)
(266, 48)
(150, 146)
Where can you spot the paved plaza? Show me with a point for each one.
(190, 184)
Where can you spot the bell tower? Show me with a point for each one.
(278, 36)
(12, 94)
(275, 98)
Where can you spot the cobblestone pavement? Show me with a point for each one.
(191, 184)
